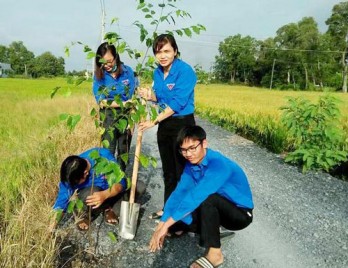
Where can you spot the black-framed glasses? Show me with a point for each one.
(191, 149)
(104, 62)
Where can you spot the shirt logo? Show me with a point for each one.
(125, 82)
(170, 86)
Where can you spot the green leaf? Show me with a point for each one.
(144, 160)
(188, 32)
(124, 157)
(71, 206)
(86, 49)
(112, 236)
(94, 154)
(59, 214)
(93, 112)
(114, 20)
(105, 144)
(90, 55)
(79, 205)
(67, 51)
(54, 91)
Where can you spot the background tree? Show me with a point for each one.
(48, 65)
(236, 58)
(4, 54)
(338, 29)
(202, 76)
(20, 57)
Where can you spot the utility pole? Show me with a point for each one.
(270, 86)
(103, 15)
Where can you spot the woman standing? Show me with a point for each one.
(113, 81)
(173, 90)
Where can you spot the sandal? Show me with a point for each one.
(86, 222)
(155, 216)
(203, 262)
(110, 217)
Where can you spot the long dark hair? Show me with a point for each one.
(73, 169)
(101, 51)
(162, 40)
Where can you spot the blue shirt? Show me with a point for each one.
(177, 89)
(215, 174)
(123, 85)
(66, 191)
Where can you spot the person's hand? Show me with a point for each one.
(145, 93)
(146, 125)
(157, 239)
(103, 104)
(96, 199)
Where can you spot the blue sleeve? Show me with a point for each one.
(184, 87)
(209, 184)
(181, 190)
(96, 92)
(131, 85)
(63, 196)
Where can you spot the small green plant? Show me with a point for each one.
(316, 131)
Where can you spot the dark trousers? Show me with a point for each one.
(214, 212)
(118, 140)
(172, 161)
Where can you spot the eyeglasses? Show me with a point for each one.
(192, 149)
(104, 62)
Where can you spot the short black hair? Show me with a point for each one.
(72, 169)
(191, 132)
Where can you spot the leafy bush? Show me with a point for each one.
(316, 131)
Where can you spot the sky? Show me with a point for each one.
(47, 25)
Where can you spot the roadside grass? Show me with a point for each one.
(254, 112)
(33, 145)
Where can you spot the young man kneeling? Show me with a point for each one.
(213, 191)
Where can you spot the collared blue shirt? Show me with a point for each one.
(215, 174)
(177, 89)
(66, 191)
(108, 87)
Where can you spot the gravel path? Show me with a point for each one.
(300, 220)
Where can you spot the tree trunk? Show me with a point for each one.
(233, 74)
(306, 77)
(345, 78)
(345, 72)
(289, 77)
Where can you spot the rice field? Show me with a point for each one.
(254, 112)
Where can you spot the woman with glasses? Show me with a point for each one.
(113, 87)
(173, 90)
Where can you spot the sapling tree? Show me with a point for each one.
(316, 131)
(135, 110)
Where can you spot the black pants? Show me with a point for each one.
(172, 161)
(214, 212)
(117, 140)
